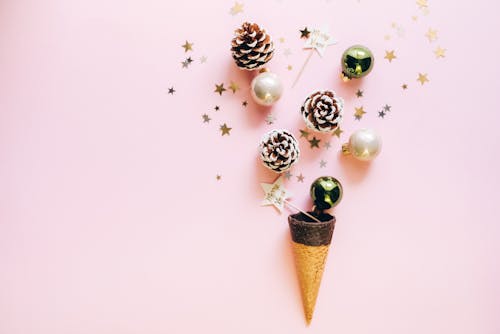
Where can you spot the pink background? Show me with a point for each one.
(112, 221)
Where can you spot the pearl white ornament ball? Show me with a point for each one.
(266, 88)
(364, 145)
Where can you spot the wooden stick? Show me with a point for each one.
(303, 67)
(296, 208)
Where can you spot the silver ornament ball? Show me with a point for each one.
(364, 145)
(266, 88)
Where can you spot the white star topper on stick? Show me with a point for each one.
(276, 195)
(319, 40)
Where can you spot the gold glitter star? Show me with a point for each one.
(234, 86)
(422, 4)
(219, 88)
(300, 178)
(404, 86)
(431, 34)
(304, 33)
(389, 55)
(282, 40)
(314, 142)
(359, 93)
(322, 164)
(338, 131)
(304, 133)
(218, 177)
(206, 119)
(440, 52)
(422, 78)
(414, 18)
(187, 46)
(203, 59)
(359, 113)
(225, 129)
(236, 9)
(387, 37)
(289, 67)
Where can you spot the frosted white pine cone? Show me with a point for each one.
(252, 47)
(322, 111)
(279, 150)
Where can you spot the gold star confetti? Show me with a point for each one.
(389, 55)
(203, 59)
(322, 164)
(422, 4)
(381, 114)
(387, 37)
(206, 119)
(359, 93)
(287, 52)
(236, 9)
(289, 67)
(387, 107)
(359, 113)
(216, 108)
(300, 178)
(282, 40)
(225, 129)
(187, 46)
(234, 87)
(414, 18)
(314, 142)
(171, 91)
(431, 34)
(338, 131)
(288, 175)
(244, 104)
(219, 89)
(440, 52)
(327, 145)
(218, 177)
(422, 78)
(404, 86)
(304, 133)
(304, 33)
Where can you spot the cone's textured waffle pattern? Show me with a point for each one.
(252, 47)
(310, 241)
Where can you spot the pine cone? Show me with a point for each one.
(322, 111)
(279, 150)
(252, 47)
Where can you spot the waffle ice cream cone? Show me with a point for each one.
(310, 241)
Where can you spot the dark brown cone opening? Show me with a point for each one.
(308, 232)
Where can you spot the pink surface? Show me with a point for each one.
(112, 221)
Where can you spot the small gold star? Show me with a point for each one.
(218, 177)
(338, 131)
(422, 78)
(244, 103)
(234, 86)
(187, 46)
(440, 52)
(414, 18)
(282, 40)
(289, 67)
(359, 113)
(304, 133)
(314, 142)
(300, 178)
(304, 33)
(203, 59)
(389, 55)
(359, 93)
(219, 88)
(387, 37)
(422, 4)
(404, 86)
(431, 34)
(206, 119)
(236, 9)
(225, 129)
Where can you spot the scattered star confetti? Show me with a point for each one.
(327, 145)
(203, 59)
(404, 86)
(206, 119)
(322, 164)
(422, 4)
(440, 52)
(233, 86)
(244, 104)
(300, 178)
(189, 60)
(185, 63)
(171, 91)
(387, 37)
(275, 194)
(270, 119)
(187, 46)
(414, 18)
(422, 78)
(304, 33)
(216, 108)
(282, 40)
(431, 34)
(359, 113)
(304, 133)
(225, 129)
(389, 55)
(381, 114)
(236, 9)
(338, 131)
(289, 67)
(314, 142)
(359, 93)
(218, 177)
(219, 88)
(288, 175)
(387, 107)
(287, 52)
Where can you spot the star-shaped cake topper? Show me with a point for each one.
(275, 194)
(319, 40)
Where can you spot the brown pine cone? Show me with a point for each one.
(252, 47)
(279, 150)
(322, 111)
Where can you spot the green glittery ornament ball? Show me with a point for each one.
(326, 192)
(357, 61)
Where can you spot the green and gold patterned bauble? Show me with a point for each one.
(357, 61)
(326, 192)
